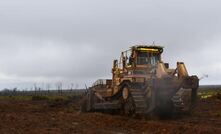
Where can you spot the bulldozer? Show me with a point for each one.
(142, 84)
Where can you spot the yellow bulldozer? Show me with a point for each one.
(143, 84)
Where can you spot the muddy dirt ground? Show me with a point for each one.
(43, 117)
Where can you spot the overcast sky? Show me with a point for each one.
(75, 41)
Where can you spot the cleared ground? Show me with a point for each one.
(61, 116)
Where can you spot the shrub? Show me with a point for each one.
(36, 98)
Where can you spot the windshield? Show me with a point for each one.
(144, 58)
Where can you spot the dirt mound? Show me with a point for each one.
(40, 117)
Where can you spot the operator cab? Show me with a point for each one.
(136, 59)
(146, 55)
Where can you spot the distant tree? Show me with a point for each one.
(5, 90)
(48, 86)
(36, 88)
(15, 89)
(59, 87)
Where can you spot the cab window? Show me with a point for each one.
(144, 58)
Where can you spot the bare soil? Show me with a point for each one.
(43, 117)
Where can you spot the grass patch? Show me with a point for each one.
(35, 98)
(15, 97)
(208, 93)
(50, 98)
(38, 98)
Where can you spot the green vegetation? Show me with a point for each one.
(15, 97)
(35, 98)
(202, 93)
(50, 98)
(207, 93)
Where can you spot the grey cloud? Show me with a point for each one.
(77, 40)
